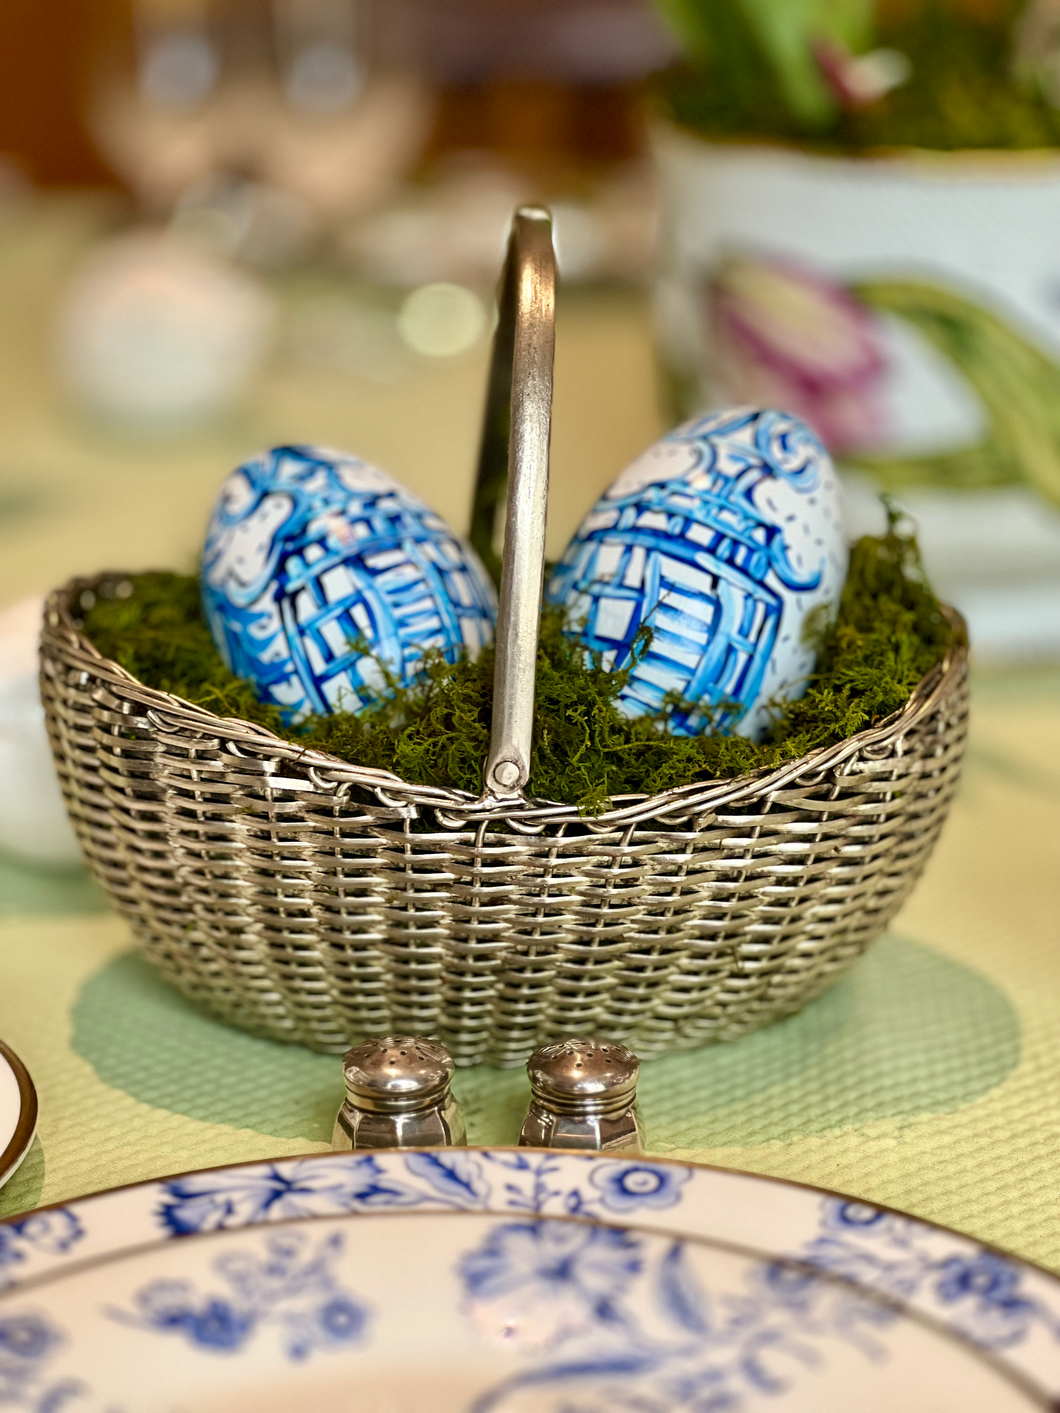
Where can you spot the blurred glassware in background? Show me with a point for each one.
(265, 226)
(311, 98)
(536, 100)
(400, 133)
(381, 144)
(454, 227)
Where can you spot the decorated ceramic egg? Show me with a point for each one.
(319, 570)
(723, 537)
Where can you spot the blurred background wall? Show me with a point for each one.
(46, 59)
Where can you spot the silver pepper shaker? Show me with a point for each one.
(584, 1095)
(397, 1096)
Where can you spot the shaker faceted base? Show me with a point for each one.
(440, 1127)
(609, 1133)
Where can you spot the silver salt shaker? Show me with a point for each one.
(397, 1096)
(584, 1095)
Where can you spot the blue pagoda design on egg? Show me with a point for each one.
(713, 539)
(321, 575)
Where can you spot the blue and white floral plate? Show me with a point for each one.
(567, 1282)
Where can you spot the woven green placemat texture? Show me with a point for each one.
(928, 1078)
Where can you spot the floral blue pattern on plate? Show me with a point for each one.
(51, 1233)
(980, 1295)
(464, 1312)
(567, 1290)
(454, 1178)
(290, 1285)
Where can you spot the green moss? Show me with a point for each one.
(888, 632)
(960, 95)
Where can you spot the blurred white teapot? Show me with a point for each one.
(159, 332)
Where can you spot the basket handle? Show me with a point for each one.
(520, 382)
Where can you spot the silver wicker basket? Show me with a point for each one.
(311, 900)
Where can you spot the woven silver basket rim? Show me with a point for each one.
(457, 808)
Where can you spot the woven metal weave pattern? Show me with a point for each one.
(314, 901)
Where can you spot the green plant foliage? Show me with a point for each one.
(961, 93)
(763, 50)
(889, 631)
(1019, 387)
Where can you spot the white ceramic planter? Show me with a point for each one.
(909, 307)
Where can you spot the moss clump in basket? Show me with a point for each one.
(889, 631)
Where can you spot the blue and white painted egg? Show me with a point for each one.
(319, 567)
(722, 537)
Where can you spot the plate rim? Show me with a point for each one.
(1037, 1396)
(597, 1154)
(26, 1123)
